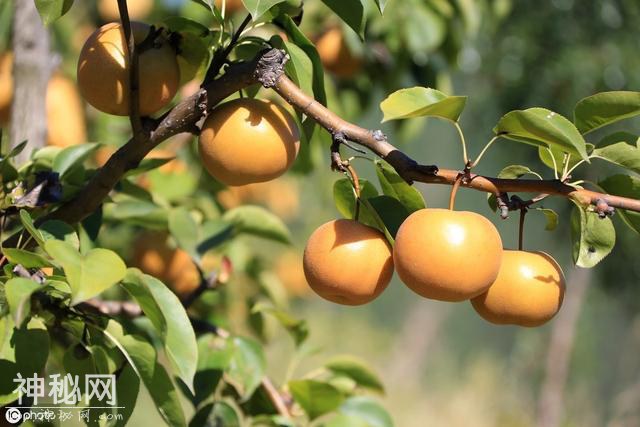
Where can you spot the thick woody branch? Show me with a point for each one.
(411, 171)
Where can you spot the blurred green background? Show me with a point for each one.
(443, 365)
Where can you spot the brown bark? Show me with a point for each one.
(551, 400)
(32, 66)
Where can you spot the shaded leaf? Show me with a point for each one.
(246, 367)
(393, 185)
(142, 357)
(297, 328)
(390, 211)
(351, 12)
(551, 217)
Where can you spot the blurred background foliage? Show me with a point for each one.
(442, 365)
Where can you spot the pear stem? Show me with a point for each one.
(356, 188)
(523, 212)
(454, 190)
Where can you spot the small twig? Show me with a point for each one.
(275, 397)
(134, 87)
(523, 213)
(454, 190)
(221, 55)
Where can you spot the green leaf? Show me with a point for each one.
(166, 313)
(185, 230)
(298, 37)
(31, 344)
(381, 5)
(18, 293)
(298, 328)
(390, 211)
(58, 230)
(89, 274)
(299, 67)
(27, 223)
(621, 154)
(542, 127)
(257, 8)
(421, 101)
(605, 108)
(247, 366)
(217, 414)
(214, 356)
(514, 172)
(127, 388)
(351, 12)
(551, 217)
(357, 370)
(345, 199)
(548, 157)
(368, 410)
(25, 258)
(316, 398)
(72, 156)
(619, 136)
(51, 10)
(142, 357)
(16, 150)
(593, 238)
(258, 221)
(137, 212)
(626, 186)
(393, 185)
(147, 165)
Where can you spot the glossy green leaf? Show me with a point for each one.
(88, 274)
(169, 318)
(367, 409)
(246, 367)
(25, 258)
(18, 293)
(421, 102)
(626, 186)
(605, 108)
(352, 12)
(357, 370)
(316, 398)
(143, 359)
(621, 154)
(51, 10)
(257, 8)
(393, 185)
(592, 238)
(72, 156)
(542, 127)
(258, 221)
(551, 216)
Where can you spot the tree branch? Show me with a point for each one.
(267, 68)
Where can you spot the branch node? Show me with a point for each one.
(603, 209)
(502, 200)
(271, 67)
(378, 135)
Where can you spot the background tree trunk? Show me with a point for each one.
(551, 400)
(32, 65)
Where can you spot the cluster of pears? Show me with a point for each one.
(242, 141)
(439, 254)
